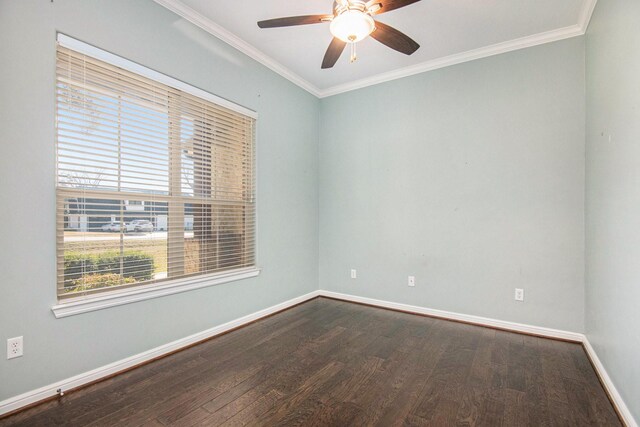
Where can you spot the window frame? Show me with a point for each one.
(84, 303)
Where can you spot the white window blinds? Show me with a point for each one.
(153, 183)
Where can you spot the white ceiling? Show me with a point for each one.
(448, 31)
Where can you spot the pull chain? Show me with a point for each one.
(354, 55)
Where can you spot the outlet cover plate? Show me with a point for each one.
(519, 294)
(14, 347)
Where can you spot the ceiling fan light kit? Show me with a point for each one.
(351, 22)
(352, 26)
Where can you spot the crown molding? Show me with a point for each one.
(181, 9)
(579, 29)
(586, 14)
(458, 58)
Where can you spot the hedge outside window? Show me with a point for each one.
(153, 182)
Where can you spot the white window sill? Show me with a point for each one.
(81, 305)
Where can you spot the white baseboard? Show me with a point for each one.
(25, 399)
(477, 320)
(622, 408)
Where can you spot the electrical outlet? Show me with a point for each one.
(354, 273)
(412, 281)
(14, 347)
(519, 295)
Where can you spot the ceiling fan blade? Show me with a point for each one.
(333, 53)
(394, 39)
(389, 5)
(294, 20)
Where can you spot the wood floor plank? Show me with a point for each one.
(334, 363)
(252, 414)
(300, 407)
(471, 405)
(515, 408)
(537, 405)
(334, 413)
(396, 398)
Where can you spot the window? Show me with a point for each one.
(134, 205)
(155, 179)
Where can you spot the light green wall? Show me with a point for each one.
(471, 178)
(613, 193)
(149, 34)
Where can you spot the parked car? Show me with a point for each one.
(143, 225)
(112, 226)
(115, 226)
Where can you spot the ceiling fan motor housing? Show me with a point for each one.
(369, 7)
(344, 5)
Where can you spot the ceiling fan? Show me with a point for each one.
(351, 22)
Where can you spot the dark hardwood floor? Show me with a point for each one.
(329, 362)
